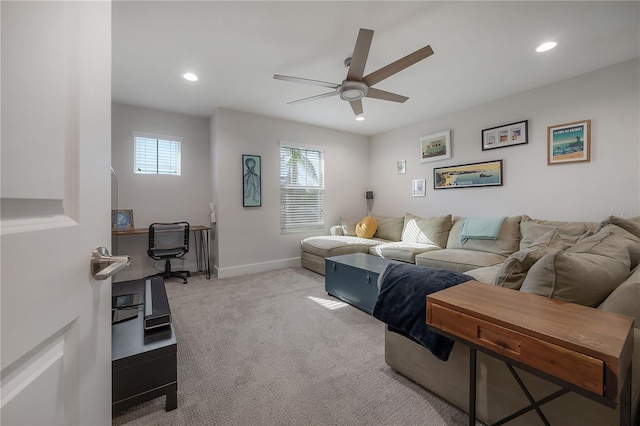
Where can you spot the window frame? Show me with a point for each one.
(177, 158)
(293, 222)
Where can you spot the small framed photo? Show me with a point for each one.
(417, 188)
(488, 173)
(401, 167)
(251, 181)
(435, 147)
(569, 142)
(121, 220)
(505, 135)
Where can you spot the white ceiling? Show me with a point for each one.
(483, 51)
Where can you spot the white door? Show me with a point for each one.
(55, 154)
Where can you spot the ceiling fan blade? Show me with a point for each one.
(385, 96)
(397, 66)
(360, 54)
(306, 81)
(313, 98)
(356, 106)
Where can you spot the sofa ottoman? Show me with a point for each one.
(314, 250)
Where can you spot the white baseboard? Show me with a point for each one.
(253, 268)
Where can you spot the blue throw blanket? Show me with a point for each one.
(402, 302)
(481, 228)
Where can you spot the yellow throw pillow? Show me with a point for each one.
(366, 227)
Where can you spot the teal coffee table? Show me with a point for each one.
(353, 278)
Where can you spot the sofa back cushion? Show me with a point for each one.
(624, 299)
(585, 273)
(513, 271)
(570, 232)
(430, 230)
(348, 226)
(508, 240)
(629, 229)
(389, 228)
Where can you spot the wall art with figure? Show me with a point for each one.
(251, 181)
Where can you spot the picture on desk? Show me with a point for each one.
(121, 220)
(251, 187)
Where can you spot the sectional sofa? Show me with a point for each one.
(590, 263)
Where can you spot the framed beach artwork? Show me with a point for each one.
(435, 147)
(569, 142)
(418, 187)
(488, 173)
(121, 220)
(505, 135)
(251, 181)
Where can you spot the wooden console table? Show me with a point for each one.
(579, 348)
(201, 244)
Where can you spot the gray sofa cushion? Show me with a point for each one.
(349, 226)
(431, 230)
(389, 228)
(514, 270)
(629, 229)
(458, 260)
(585, 274)
(570, 232)
(484, 275)
(631, 224)
(624, 299)
(508, 240)
(326, 246)
(402, 251)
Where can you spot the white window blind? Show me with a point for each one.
(158, 155)
(301, 187)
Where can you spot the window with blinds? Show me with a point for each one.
(301, 187)
(158, 155)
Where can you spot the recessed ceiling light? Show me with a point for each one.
(190, 76)
(360, 118)
(546, 46)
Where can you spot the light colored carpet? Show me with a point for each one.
(275, 349)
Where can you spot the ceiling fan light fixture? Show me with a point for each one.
(352, 90)
(360, 117)
(189, 76)
(548, 45)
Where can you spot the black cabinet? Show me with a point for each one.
(353, 278)
(143, 363)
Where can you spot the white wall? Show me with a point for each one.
(158, 198)
(248, 239)
(608, 184)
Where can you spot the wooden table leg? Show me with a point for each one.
(472, 386)
(625, 400)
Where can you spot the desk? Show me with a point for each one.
(540, 335)
(201, 244)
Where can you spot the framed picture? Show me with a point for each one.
(401, 167)
(505, 135)
(569, 143)
(121, 220)
(417, 188)
(435, 147)
(488, 173)
(251, 181)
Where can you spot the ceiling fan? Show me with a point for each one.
(356, 86)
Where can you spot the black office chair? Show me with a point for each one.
(169, 241)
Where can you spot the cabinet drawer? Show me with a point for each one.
(577, 368)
